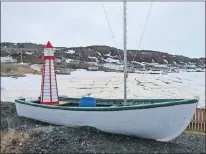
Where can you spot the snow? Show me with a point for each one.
(95, 58)
(165, 61)
(109, 55)
(154, 63)
(161, 65)
(69, 60)
(99, 54)
(29, 53)
(22, 63)
(70, 51)
(190, 63)
(174, 62)
(56, 49)
(111, 60)
(103, 85)
(142, 64)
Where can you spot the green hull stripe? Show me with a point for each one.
(159, 103)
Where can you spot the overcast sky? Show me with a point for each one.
(173, 27)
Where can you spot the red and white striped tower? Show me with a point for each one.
(49, 91)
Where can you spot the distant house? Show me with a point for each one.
(113, 66)
(161, 66)
(190, 66)
(93, 68)
(138, 66)
(8, 59)
(92, 63)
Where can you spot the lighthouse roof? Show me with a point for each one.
(48, 45)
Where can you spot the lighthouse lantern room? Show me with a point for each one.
(49, 91)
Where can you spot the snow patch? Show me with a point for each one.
(161, 65)
(56, 49)
(69, 60)
(142, 64)
(99, 54)
(191, 63)
(111, 60)
(70, 51)
(102, 85)
(29, 53)
(109, 55)
(165, 61)
(95, 58)
(22, 63)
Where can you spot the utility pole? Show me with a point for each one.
(21, 59)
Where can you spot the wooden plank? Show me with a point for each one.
(198, 121)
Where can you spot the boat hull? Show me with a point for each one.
(159, 123)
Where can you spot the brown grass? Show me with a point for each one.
(16, 69)
(12, 141)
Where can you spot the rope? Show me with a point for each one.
(110, 29)
(143, 31)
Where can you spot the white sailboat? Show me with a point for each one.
(158, 119)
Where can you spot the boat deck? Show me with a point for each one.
(74, 102)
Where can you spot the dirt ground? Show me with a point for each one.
(14, 69)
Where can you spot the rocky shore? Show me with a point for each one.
(22, 135)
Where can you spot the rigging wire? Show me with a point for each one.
(110, 29)
(143, 30)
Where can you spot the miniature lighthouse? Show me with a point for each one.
(49, 91)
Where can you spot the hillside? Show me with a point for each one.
(33, 52)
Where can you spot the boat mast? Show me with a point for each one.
(125, 51)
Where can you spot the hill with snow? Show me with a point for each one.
(100, 54)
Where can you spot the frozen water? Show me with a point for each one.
(110, 85)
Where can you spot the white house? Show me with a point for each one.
(161, 65)
(113, 66)
(8, 59)
(93, 68)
